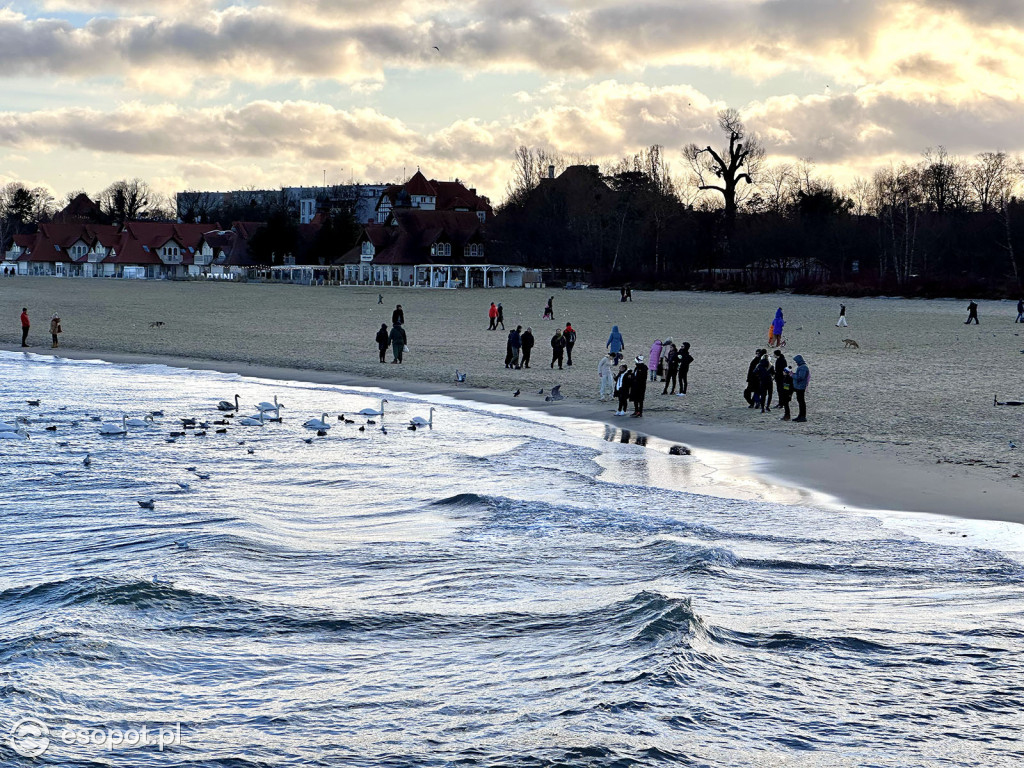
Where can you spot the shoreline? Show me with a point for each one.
(866, 480)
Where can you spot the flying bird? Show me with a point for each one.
(437, 49)
(556, 394)
(516, 393)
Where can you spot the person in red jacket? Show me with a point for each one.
(492, 313)
(24, 326)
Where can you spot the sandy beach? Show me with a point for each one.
(905, 421)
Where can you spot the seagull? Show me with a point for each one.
(147, 504)
(1013, 444)
(516, 393)
(540, 391)
(460, 378)
(556, 394)
(87, 460)
(437, 49)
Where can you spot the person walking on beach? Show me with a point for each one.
(492, 314)
(557, 349)
(685, 358)
(526, 342)
(775, 335)
(501, 316)
(398, 316)
(569, 334)
(606, 376)
(24, 326)
(972, 314)
(801, 380)
(654, 359)
(785, 391)
(549, 309)
(512, 347)
(1020, 311)
(382, 341)
(671, 354)
(623, 385)
(398, 341)
(380, 298)
(748, 393)
(638, 390)
(615, 344)
(55, 329)
(841, 322)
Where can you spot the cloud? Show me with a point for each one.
(939, 45)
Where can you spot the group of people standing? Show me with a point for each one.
(765, 375)
(519, 341)
(26, 325)
(396, 338)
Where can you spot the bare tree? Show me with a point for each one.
(722, 170)
(943, 181)
(126, 200)
(897, 196)
(777, 183)
(194, 205)
(991, 178)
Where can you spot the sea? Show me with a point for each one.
(502, 588)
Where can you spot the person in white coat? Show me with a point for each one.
(606, 373)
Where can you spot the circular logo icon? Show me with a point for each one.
(30, 737)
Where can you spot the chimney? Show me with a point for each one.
(472, 191)
(551, 171)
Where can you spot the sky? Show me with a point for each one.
(227, 94)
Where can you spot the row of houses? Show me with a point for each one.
(149, 249)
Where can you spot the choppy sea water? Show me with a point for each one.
(501, 590)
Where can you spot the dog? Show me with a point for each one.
(850, 343)
(157, 324)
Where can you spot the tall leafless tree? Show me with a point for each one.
(724, 169)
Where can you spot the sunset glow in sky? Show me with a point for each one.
(215, 94)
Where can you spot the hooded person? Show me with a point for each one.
(615, 343)
(492, 315)
(557, 348)
(777, 325)
(382, 340)
(639, 388)
(779, 366)
(801, 380)
(671, 357)
(654, 359)
(748, 393)
(785, 383)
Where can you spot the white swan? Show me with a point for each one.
(20, 434)
(15, 426)
(419, 421)
(113, 428)
(371, 412)
(320, 423)
(143, 422)
(227, 405)
(274, 406)
(251, 421)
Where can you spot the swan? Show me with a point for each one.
(371, 412)
(320, 423)
(21, 434)
(113, 428)
(143, 422)
(251, 421)
(227, 405)
(419, 421)
(274, 406)
(13, 427)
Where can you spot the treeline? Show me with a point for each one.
(941, 226)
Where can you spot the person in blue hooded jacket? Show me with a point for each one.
(615, 344)
(801, 379)
(777, 325)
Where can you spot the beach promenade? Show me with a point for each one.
(904, 421)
